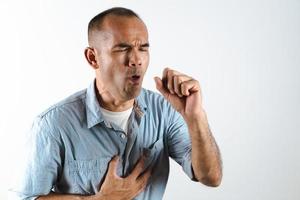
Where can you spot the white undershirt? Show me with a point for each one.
(118, 118)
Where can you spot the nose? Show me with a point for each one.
(135, 59)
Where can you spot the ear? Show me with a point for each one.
(90, 55)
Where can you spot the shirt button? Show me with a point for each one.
(123, 136)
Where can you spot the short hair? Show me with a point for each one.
(97, 21)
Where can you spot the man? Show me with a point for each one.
(113, 140)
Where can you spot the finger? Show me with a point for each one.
(165, 80)
(160, 87)
(143, 179)
(164, 75)
(113, 165)
(139, 167)
(178, 79)
(190, 86)
(176, 83)
(141, 187)
(170, 80)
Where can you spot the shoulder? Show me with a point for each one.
(49, 122)
(70, 109)
(73, 102)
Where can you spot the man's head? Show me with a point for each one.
(118, 51)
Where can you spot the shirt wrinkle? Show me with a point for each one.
(155, 130)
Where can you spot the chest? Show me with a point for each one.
(88, 153)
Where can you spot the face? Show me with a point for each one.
(122, 56)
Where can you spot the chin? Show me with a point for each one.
(133, 92)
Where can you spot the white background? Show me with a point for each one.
(246, 55)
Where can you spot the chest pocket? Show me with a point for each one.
(153, 153)
(87, 175)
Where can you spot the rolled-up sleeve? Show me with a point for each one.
(42, 165)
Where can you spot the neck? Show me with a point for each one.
(113, 104)
(109, 102)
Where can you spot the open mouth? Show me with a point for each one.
(135, 79)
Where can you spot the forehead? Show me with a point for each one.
(124, 29)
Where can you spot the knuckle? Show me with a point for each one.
(167, 72)
(182, 85)
(171, 72)
(180, 79)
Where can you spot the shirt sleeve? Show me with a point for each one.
(42, 163)
(179, 144)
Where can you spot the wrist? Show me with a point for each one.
(196, 122)
(198, 128)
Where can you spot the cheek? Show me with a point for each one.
(115, 73)
(110, 67)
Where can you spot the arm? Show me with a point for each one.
(184, 95)
(206, 159)
(53, 196)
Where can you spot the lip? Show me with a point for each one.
(135, 79)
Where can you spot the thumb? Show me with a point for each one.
(160, 87)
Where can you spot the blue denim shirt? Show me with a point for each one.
(71, 146)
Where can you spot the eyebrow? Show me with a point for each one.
(125, 45)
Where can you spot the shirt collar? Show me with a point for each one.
(140, 106)
(93, 113)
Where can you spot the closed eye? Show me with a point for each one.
(125, 47)
(121, 47)
(144, 47)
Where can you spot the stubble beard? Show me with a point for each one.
(132, 91)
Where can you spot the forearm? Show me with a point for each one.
(206, 159)
(54, 196)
